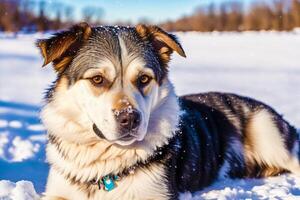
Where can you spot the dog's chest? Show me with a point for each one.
(145, 183)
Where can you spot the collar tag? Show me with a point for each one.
(109, 182)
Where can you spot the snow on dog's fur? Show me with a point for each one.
(73, 109)
(113, 111)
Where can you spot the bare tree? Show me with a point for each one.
(295, 11)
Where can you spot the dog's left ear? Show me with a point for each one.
(61, 48)
(164, 43)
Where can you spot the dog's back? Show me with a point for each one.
(225, 135)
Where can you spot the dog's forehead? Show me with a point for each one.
(116, 41)
(108, 43)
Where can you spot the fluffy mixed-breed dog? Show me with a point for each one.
(117, 130)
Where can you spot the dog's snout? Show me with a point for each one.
(129, 120)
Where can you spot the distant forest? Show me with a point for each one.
(32, 16)
(42, 15)
(279, 15)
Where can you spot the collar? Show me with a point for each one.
(108, 182)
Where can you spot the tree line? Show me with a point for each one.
(280, 15)
(40, 15)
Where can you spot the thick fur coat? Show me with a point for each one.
(112, 112)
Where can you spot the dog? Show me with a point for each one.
(117, 130)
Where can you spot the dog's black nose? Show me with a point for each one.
(129, 120)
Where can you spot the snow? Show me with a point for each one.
(263, 65)
(36, 127)
(19, 62)
(284, 186)
(22, 149)
(22, 190)
(3, 123)
(3, 141)
(15, 124)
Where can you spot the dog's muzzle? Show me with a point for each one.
(127, 137)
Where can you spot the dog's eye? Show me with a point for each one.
(97, 80)
(144, 79)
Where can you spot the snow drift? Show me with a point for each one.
(262, 65)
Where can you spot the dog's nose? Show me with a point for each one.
(129, 120)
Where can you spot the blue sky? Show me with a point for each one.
(134, 10)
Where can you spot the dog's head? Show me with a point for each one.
(112, 83)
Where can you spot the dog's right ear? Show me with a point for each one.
(61, 48)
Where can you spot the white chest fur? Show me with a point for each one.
(146, 183)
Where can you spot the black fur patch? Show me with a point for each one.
(210, 121)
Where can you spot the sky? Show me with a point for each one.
(134, 10)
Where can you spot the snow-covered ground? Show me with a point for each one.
(263, 65)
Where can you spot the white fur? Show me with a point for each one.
(97, 158)
(268, 145)
(70, 116)
(143, 184)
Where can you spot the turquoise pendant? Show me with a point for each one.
(109, 183)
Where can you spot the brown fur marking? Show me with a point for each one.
(60, 65)
(161, 40)
(121, 101)
(63, 44)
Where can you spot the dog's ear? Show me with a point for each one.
(164, 43)
(61, 48)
